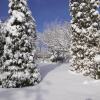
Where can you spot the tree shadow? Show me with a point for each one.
(45, 69)
(89, 99)
(37, 92)
(5, 95)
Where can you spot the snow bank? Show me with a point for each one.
(58, 83)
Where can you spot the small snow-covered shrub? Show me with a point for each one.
(58, 59)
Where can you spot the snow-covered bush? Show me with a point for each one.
(57, 38)
(85, 36)
(19, 68)
(57, 59)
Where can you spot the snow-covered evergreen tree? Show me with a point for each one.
(2, 42)
(85, 36)
(19, 68)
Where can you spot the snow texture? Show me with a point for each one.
(58, 84)
(97, 59)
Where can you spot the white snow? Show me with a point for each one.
(58, 83)
(83, 4)
(95, 24)
(96, 13)
(31, 58)
(19, 15)
(92, 1)
(8, 40)
(79, 14)
(97, 58)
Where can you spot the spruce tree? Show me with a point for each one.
(2, 42)
(85, 36)
(19, 68)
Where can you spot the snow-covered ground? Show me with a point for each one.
(58, 83)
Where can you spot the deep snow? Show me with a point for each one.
(58, 83)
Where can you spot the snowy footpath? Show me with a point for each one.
(58, 83)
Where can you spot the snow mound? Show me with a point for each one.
(58, 83)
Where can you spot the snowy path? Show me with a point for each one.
(58, 84)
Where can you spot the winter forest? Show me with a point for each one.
(59, 60)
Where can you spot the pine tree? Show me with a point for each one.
(2, 42)
(19, 68)
(85, 36)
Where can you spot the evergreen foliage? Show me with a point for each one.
(85, 37)
(19, 68)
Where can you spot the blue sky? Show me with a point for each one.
(44, 11)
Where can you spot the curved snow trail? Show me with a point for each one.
(58, 83)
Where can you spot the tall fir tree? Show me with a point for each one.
(19, 68)
(2, 43)
(85, 37)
